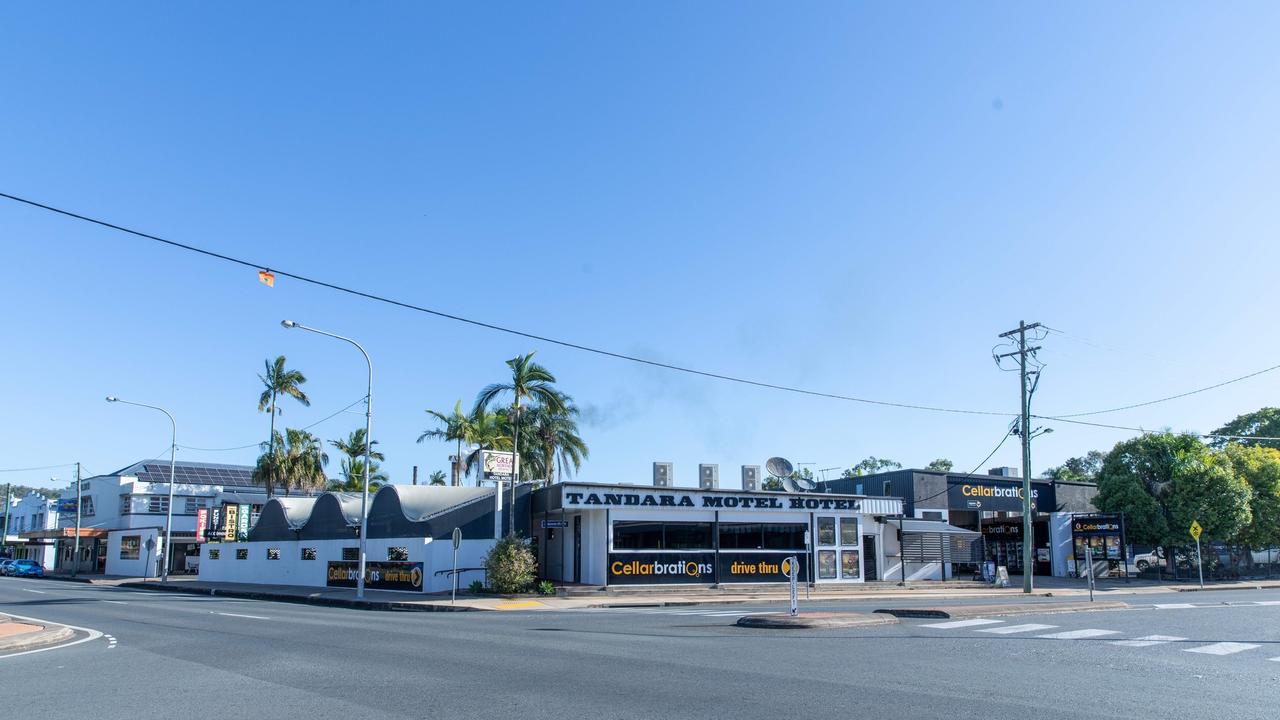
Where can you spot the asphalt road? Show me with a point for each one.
(1206, 655)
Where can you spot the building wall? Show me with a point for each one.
(1076, 497)
(145, 565)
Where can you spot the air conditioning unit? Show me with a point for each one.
(662, 474)
(1003, 471)
(751, 478)
(708, 477)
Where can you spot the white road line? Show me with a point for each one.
(1275, 659)
(251, 617)
(116, 602)
(1173, 606)
(1010, 629)
(1266, 602)
(91, 635)
(1079, 634)
(1148, 641)
(961, 623)
(1222, 648)
(35, 591)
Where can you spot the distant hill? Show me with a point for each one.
(21, 491)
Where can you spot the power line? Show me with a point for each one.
(1145, 431)
(1171, 397)
(491, 326)
(1007, 434)
(253, 445)
(42, 467)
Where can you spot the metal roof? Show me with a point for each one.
(933, 527)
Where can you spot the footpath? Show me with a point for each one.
(579, 598)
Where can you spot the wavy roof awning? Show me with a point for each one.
(431, 511)
(282, 518)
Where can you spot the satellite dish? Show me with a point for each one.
(779, 467)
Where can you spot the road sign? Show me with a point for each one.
(453, 586)
(791, 566)
(1195, 533)
(1196, 530)
(457, 538)
(554, 524)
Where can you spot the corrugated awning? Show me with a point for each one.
(933, 527)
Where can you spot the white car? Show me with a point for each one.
(1143, 561)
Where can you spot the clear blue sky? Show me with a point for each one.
(843, 197)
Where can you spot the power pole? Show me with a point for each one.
(75, 560)
(1028, 539)
(8, 499)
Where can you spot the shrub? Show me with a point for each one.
(510, 565)
(476, 587)
(546, 587)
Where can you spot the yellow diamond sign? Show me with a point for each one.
(1196, 529)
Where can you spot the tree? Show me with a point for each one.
(509, 565)
(772, 483)
(487, 431)
(529, 381)
(1161, 482)
(871, 464)
(1260, 469)
(1078, 469)
(552, 440)
(455, 427)
(437, 477)
(1260, 423)
(353, 447)
(278, 381)
(295, 460)
(941, 465)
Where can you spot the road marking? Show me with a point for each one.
(1174, 606)
(1148, 641)
(251, 617)
(91, 635)
(1275, 659)
(1079, 634)
(1267, 602)
(1222, 648)
(961, 623)
(111, 642)
(1010, 629)
(518, 605)
(35, 591)
(116, 602)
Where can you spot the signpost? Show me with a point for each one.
(1088, 564)
(457, 542)
(547, 524)
(791, 566)
(1195, 533)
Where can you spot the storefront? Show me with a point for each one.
(641, 535)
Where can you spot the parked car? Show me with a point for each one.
(4, 565)
(1143, 561)
(26, 568)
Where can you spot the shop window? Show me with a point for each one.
(849, 531)
(888, 488)
(242, 553)
(351, 554)
(827, 564)
(398, 554)
(784, 537)
(86, 507)
(637, 536)
(741, 536)
(126, 504)
(130, 547)
(308, 553)
(158, 504)
(687, 536)
(827, 533)
(849, 564)
(193, 504)
(214, 553)
(931, 515)
(273, 553)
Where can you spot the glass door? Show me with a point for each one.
(838, 549)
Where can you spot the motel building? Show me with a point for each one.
(627, 535)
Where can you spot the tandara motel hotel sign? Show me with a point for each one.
(717, 501)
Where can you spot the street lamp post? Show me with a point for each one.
(173, 453)
(368, 446)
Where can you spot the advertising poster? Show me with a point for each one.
(231, 524)
(242, 523)
(377, 575)
(658, 568)
(756, 567)
(498, 465)
(202, 519)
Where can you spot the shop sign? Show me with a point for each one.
(67, 505)
(202, 517)
(242, 523)
(547, 524)
(231, 523)
(721, 501)
(757, 566)
(498, 465)
(1000, 497)
(377, 575)
(661, 568)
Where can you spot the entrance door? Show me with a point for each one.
(869, 557)
(577, 548)
(838, 549)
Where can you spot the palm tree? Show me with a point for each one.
(555, 442)
(278, 381)
(531, 381)
(487, 431)
(437, 478)
(353, 447)
(295, 460)
(455, 427)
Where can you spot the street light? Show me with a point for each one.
(368, 444)
(173, 451)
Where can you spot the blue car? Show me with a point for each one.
(26, 568)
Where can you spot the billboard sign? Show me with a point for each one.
(661, 568)
(377, 575)
(498, 465)
(986, 495)
(242, 526)
(231, 524)
(202, 518)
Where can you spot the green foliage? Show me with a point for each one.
(772, 483)
(277, 381)
(941, 465)
(546, 587)
(1078, 469)
(21, 491)
(1161, 482)
(1259, 467)
(549, 440)
(871, 464)
(476, 587)
(775, 483)
(294, 461)
(437, 478)
(510, 565)
(1260, 423)
(352, 466)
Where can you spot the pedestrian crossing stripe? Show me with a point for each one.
(1011, 629)
(1222, 648)
(961, 623)
(1084, 634)
(1148, 641)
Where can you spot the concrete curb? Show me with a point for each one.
(381, 605)
(1211, 588)
(808, 621)
(47, 635)
(967, 611)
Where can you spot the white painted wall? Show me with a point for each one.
(146, 565)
